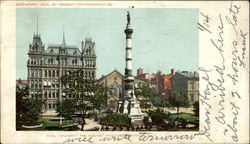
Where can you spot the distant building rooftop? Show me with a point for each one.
(191, 75)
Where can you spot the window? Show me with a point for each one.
(45, 73)
(49, 106)
(32, 73)
(192, 98)
(192, 85)
(49, 73)
(54, 73)
(32, 84)
(45, 94)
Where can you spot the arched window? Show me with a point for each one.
(45, 95)
(45, 73)
(54, 73)
(36, 73)
(49, 94)
(53, 105)
(32, 73)
(53, 95)
(49, 106)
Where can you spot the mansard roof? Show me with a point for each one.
(187, 75)
(70, 49)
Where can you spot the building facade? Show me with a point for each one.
(187, 83)
(159, 81)
(114, 81)
(46, 66)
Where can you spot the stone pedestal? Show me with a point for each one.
(135, 114)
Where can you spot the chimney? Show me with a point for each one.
(140, 71)
(172, 71)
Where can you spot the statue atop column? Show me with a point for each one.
(128, 18)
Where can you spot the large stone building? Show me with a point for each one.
(187, 83)
(46, 66)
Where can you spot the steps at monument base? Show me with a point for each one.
(137, 119)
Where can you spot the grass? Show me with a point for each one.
(52, 124)
(187, 116)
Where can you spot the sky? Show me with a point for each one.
(163, 39)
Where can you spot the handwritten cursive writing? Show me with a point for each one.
(126, 137)
(145, 136)
(83, 139)
(233, 20)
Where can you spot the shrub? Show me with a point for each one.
(158, 116)
(118, 120)
(196, 108)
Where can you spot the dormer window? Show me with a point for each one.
(74, 52)
(51, 51)
(74, 62)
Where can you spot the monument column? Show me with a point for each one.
(128, 103)
(129, 79)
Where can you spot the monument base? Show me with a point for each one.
(136, 115)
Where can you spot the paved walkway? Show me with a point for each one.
(185, 110)
(90, 125)
(52, 117)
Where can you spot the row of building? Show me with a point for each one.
(184, 81)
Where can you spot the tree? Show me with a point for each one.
(66, 108)
(158, 116)
(28, 110)
(86, 94)
(146, 94)
(178, 99)
(33, 110)
(20, 94)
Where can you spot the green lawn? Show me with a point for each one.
(51, 124)
(186, 116)
(54, 122)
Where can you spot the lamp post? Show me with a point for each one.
(61, 106)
